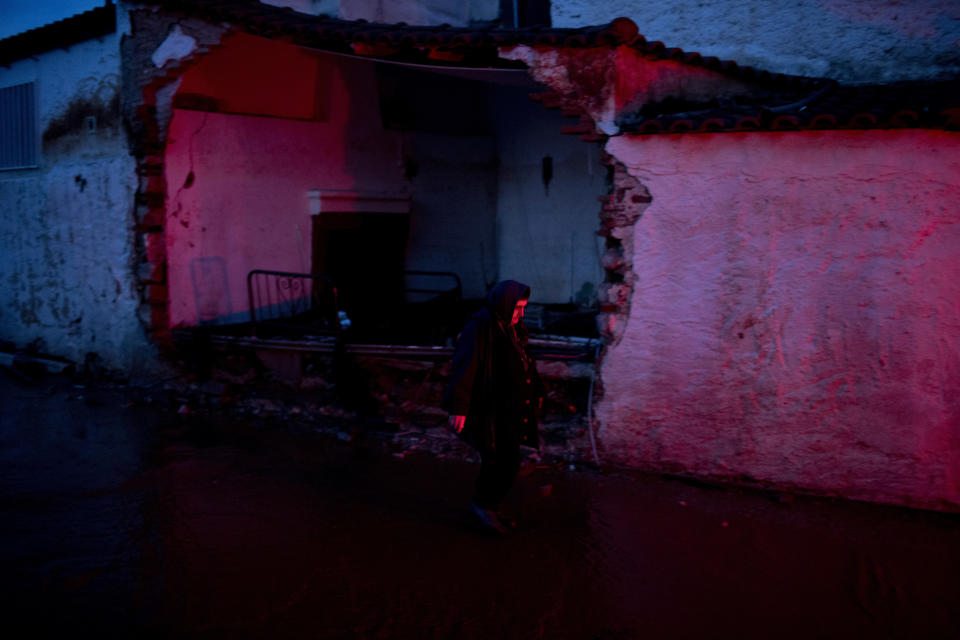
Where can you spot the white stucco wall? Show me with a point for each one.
(547, 234)
(66, 228)
(848, 40)
(796, 313)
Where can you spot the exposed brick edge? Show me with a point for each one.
(571, 108)
(620, 210)
(148, 137)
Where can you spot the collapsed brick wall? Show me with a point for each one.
(371, 397)
(621, 209)
(148, 90)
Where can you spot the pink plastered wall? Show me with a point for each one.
(238, 184)
(795, 317)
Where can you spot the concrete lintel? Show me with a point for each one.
(337, 201)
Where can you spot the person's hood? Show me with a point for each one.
(504, 297)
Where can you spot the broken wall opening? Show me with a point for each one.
(363, 254)
(468, 149)
(481, 206)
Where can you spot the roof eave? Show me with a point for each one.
(89, 25)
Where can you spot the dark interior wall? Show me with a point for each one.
(548, 184)
(450, 163)
(455, 203)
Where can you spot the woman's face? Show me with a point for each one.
(518, 311)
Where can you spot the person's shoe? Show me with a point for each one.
(488, 518)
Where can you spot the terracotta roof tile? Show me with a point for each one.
(789, 102)
(478, 43)
(340, 35)
(916, 104)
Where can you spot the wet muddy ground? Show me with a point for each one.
(122, 520)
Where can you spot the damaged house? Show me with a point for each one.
(762, 262)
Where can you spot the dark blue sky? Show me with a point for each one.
(17, 16)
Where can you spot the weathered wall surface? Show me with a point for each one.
(607, 82)
(65, 228)
(796, 313)
(848, 40)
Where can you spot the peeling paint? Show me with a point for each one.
(177, 46)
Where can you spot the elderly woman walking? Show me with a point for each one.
(495, 394)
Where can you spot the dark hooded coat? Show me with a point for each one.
(493, 378)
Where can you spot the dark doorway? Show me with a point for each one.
(364, 255)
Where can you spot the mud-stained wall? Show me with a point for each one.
(795, 313)
(848, 40)
(66, 227)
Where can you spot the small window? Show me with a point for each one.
(18, 127)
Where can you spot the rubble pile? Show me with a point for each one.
(387, 402)
(393, 401)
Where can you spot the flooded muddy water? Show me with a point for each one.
(123, 521)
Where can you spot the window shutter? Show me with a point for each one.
(18, 127)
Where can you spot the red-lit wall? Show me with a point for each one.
(238, 179)
(795, 318)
